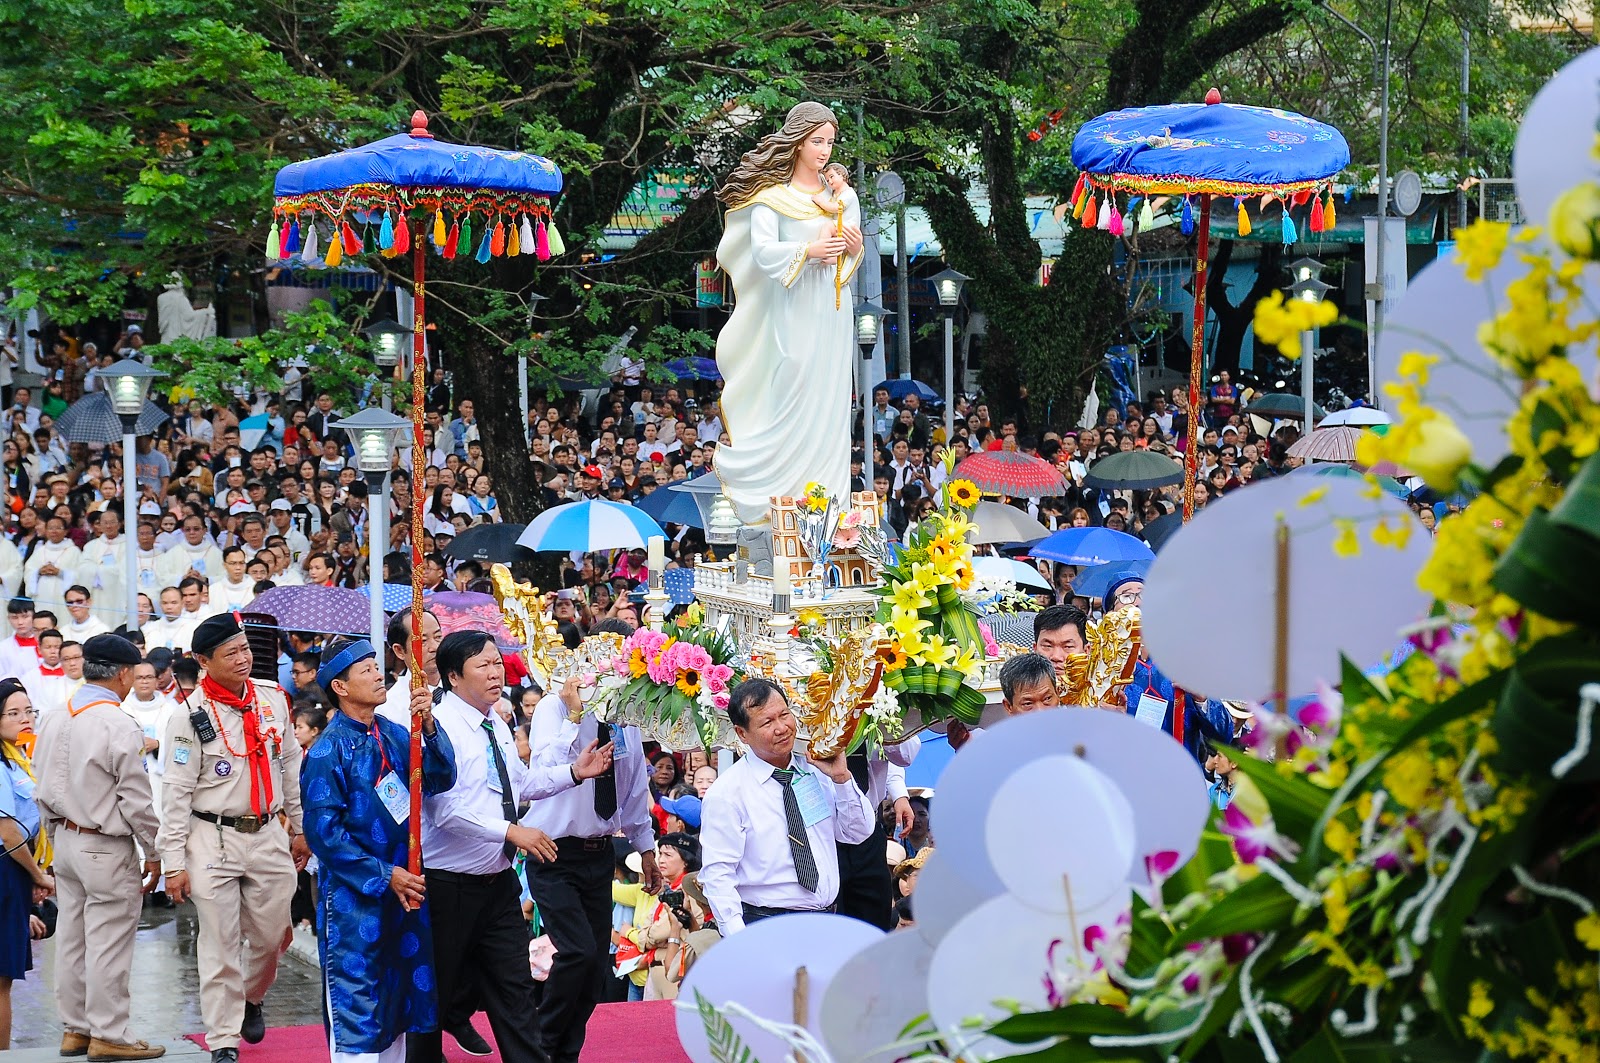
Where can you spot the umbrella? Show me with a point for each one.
(932, 757)
(375, 193)
(488, 542)
(91, 419)
(1133, 470)
(694, 369)
(252, 429)
(1198, 151)
(1284, 407)
(671, 507)
(471, 611)
(1091, 546)
(1012, 473)
(1010, 570)
(899, 388)
(325, 610)
(1327, 444)
(1360, 416)
(998, 523)
(1093, 582)
(1329, 468)
(679, 585)
(597, 525)
(1164, 527)
(396, 596)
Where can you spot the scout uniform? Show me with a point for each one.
(94, 798)
(231, 801)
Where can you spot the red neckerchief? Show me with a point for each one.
(45, 669)
(255, 749)
(31, 641)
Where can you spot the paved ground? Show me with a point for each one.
(165, 987)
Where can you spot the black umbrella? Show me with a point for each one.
(1158, 531)
(1133, 470)
(489, 542)
(93, 420)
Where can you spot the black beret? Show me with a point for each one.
(111, 649)
(213, 631)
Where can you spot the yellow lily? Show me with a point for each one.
(907, 622)
(927, 577)
(938, 652)
(910, 596)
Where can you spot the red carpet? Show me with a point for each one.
(643, 1032)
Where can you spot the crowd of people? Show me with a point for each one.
(565, 862)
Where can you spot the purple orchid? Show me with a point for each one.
(1252, 840)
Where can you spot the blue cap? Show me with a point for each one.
(686, 808)
(350, 655)
(1127, 575)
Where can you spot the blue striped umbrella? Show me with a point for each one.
(597, 525)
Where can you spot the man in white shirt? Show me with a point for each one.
(196, 555)
(573, 891)
(398, 705)
(770, 824)
(196, 603)
(82, 623)
(236, 590)
(101, 569)
(282, 514)
(469, 834)
(171, 629)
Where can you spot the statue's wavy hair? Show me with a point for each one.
(771, 161)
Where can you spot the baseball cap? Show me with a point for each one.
(240, 507)
(686, 808)
(281, 504)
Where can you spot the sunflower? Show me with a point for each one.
(689, 683)
(894, 658)
(943, 549)
(636, 664)
(963, 493)
(810, 618)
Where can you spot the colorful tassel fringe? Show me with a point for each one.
(525, 236)
(308, 250)
(558, 246)
(541, 241)
(1318, 219)
(513, 241)
(1291, 235)
(485, 248)
(335, 253)
(402, 237)
(386, 232)
(1091, 213)
(440, 234)
(291, 243)
(497, 243)
(1244, 220)
(1186, 219)
(453, 241)
(466, 233)
(352, 242)
(1330, 217)
(1147, 216)
(274, 242)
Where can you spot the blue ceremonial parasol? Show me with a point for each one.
(694, 369)
(1197, 152)
(367, 199)
(1090, 546)
(899, 388)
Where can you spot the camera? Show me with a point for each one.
(672, 898)
(636, 596)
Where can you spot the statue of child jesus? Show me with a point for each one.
(836, 199)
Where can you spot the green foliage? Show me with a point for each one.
(726, 1046)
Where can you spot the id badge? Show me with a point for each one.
(1151, 710)
(814, 804)
(621, 745)
(395, 797)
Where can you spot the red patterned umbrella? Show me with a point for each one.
(471, 611)
(1012, 473)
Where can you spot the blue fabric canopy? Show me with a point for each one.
(1222, 148)
(407, 160)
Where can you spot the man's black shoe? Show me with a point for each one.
(470, 1040)
(225, 1055)
(255, 1024)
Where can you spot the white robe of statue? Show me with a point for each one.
(176, 315)
(786, 355)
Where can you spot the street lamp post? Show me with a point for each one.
(387, 337)
(869, 327)
(1308, 287)
(947, 284)
(129, 382)
(375, 434)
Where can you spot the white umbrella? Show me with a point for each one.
(1009, 568)
(1327, 444)
(1000, 523)
(1359, 416)
(597, 525)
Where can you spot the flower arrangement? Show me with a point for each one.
(672, 683)
(935, 650)
(1409, 870)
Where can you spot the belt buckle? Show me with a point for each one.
(248, 824)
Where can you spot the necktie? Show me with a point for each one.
(857, 763)
(605, 784)
(805, 864)
(508, 807)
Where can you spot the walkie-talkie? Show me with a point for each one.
(204, 729)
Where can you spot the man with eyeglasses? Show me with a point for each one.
(196, 556)
(82, 625)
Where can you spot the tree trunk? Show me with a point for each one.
(1233, 320)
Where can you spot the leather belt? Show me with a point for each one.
(79, 829)
(573, 843)
(242, 824)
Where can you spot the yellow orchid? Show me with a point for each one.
(1480, 246)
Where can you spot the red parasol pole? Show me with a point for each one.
(1197, 356)
(419, 372)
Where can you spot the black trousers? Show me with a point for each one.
(865, 884)
(478, 927)
(574, 898)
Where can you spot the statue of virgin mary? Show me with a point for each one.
(786, 353)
